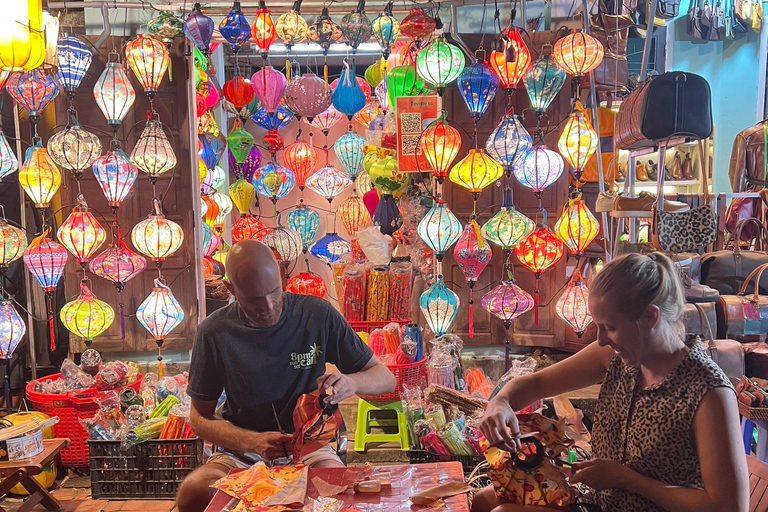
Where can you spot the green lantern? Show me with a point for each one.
(440, 64)
(386, 176)
(374, 73)
(508, 227)
(402, 81)
(370, 158)
(239, 142)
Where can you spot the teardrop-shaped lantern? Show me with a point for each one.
(246, 169)
(12, 329)
(248, 227)
(269, 85)
(440, 64)
(39, 177)
(33, 90)
(440, 144)
(81, 234)
(263, 31)
(234, 28)
(577, 227)
(166, 26)
(116, 176)
(74, 60)
(239, 142)
(439, 306)
(439, 229)
(238, 91)
(508, 227)
(386, 29)
(306, 283)
(350, 149)
(74, 148)
(303, 160)
(243, 193)
(354, 215)
(506, 302)
(578, 53)
(308, 96)
(305, 221)
(157, 237)
(199, 29)
(348, 96)
(386, 215)
(292, 28)
(356, 27)
(45, 260)
(8, 161)
(160, 312)
(417, 24)
(13, 241)
(509, 142)
(327, 119)
(274, 181)
(472, 253)
(330, 248)
(578, 142)
(153, 153)
(328, 182)
(511, 60)
(573, 304)
(542, 83)
(476, 171)
(477, 85)
(87, 316)
(148, 58)
(114, 94)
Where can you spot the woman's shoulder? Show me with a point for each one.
(700, 371)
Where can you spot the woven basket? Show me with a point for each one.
(753, 413)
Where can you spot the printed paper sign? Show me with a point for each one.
(414, 115)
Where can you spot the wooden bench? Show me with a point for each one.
(22, 471)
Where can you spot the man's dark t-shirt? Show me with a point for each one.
(262, 368)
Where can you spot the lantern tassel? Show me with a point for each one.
(536, 304)
(51, 332)
(506, 353)
(288, 70)
(122, 321)
(159, 362)
(7, 386)
(471, 316)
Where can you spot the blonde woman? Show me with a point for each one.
(666, 433)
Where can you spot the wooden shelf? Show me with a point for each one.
(668, 183)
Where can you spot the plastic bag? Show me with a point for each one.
(148, 391)
(517, 368)
(148, 430)
(376, 246)
(74, 377)
(166, 387)
(108, 421)
(90, 362)
(113, 375)
(135, 415)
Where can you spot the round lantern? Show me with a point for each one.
(234, 28)
(87, 316)
(263, 31)
(199, 29)
(166, 27)
(238, 91)
(401, 81)
(509, 142)
(542, 83)
(243, 193)
(578, 53)
(326, 119)
(324, 31)
(440, 144)
(13, 241)
(116, 176)
(506, 302)
(356, 27)
(578, 142)
(285, 242)
(417, 24)
(247, 227)
(440, 63)
(386, 214)
(511, 60)
(386, 29)
(439, 229)
(577, 227)
(303, 159)
(350, 149)
(74, 60)
(330, 248)
(269, 85)
(247, 168)
(23, 47)
(39, 177)
(33, 90)
(476, 171)
(157, 237)
(539, 251)
(306, 283)
(239, 142)
(12, 328)
(508, 227)
(308, 95)
(153, 153)
(74, 148)
(573, 305)
(348, 97)
(305, 221)
(274, 181)
(439, 306)
(477, 85)
(45, 260)
(354, 215)
(328, 182)
(291, 28)
(114, 94)
(148, 58)
(273, 141)
(160, 313)
(386, 176)
(539, 169)
(8, 161)
(472, 254)
(81, 234)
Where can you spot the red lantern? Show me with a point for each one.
(573, 305)
(306, 283)
(248, 227)
(274, 141)
(263, 31)
(81, 233)
(211, 211)
(472, 253)
(45, 260)
(303, 159)
(578, 53)
(417, 25)
(238, 91)
(511, 60)
(354, 215)
(539, 251)
(440, 143)
(577, 226)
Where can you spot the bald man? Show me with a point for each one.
(265, 350)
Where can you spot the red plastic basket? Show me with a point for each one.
(70, 408)
(410, 374)
(370, 326)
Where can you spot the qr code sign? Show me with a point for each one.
(410, 123)
(409, 145)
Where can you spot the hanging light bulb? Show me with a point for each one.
(577, 227)
(327, 119)
(350, 149)
(542, 83)
(509, 142)
(116, 175)
(291, 27)
(439, 306)
(234, 28)
(39, 177)
(573, 304)
(8, 161)
(166, 27)
(477, 85)
(472, 253)
(354, 215)
(160, 313)
(506, 302)
(308, 96)
(440, 144)
(356, 27)
(247, 227)
(330, 248)
(306, 283)
(13, 241)
(476, 171)
(148, 58)
(508, 227)
(578, 53)
(269, 85)
(263, 31)
(440, 63)
(33, 90)
(303, 159)
(274, 181)
(74, 60)
(578, 142)
(511, 60)
(153, 153)
(386, 29)
(199, 29)
(87, 316)
(157, 237)
(74, 148)
(243, 193)
(348, 97)
(114, 94)
(439, 229)
(305, 221)
(539, 169)
(22, 40)
(81, 234)
(328, 182)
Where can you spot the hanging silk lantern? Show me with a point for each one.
(285, 242)
(211, 210)
(509, 142)
(363, 183)
(578, 142)
(74, 60)
(440, 63)
(225, 207)
(506, 302)
(81, 234)
(539, 251)
(263, 31)
(472, 254)
(511, 60)
(234, 28)
(39, 177)
(305, 221)
(199, 29)
(74, 148)
(157, 237)
(13, 241)
(440, 144)
(308, 95)
(273, 141)
(386, 29)
(417, 24)
(573, 304)
(386, 214)
(148, 58)
(33, 90)
(386, 176)
(330, 248)
(348, 96)
(211, 240)
(153, 153)
(160, 313)
(239, 142)
(274, 181)
(477, 85)
(439, 306)
(375, 72)
(349, 148)
(206, 151)
(354, 215)
(401, 81)
(369, 113)
(361, 82)
(382, 96)
(328, 182)
(303, 159)
(247, 227)
(277, 120)
(439, 229)
(238, 91)
(324, 31)
(542, 83)
(45, 260)
(12, 329)
(269, 85)
(578, 53)
(356, 27)
(22, 40)
(116, 176)
(291, 28)
(114, 94)
(8, 161)
(166, 27)
(306, 283)
(327, 119)
(248, 168)
(244, 112)
(476, 171)
(243, 193)
(539, 169)
(87, 316)
(508, 227)
(577, 227)
(218, 177)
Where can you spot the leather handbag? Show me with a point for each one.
(669, 105)
(741, 209)
(743, 9)
(728, 354)
(756, 360)
(744, 317)
(686, 231)
(726, 270)
(613, 32)
(696, 25)
(691, 320)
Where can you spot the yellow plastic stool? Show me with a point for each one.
(366, 421)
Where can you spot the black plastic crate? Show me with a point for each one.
(150, 470)
(468, 462)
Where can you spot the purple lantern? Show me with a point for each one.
(308, 96)
(269, 86)
(507, 301)
(248, 168)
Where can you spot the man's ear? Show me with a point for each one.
(229, 286)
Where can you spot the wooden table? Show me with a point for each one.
(406, 480)
(21, 472)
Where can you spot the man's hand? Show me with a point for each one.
(338, 386)
(272, 445)
(601, 474)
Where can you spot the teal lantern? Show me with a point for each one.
(439, 229)
(439, 306)
(349, 149)
(348, 97)
(440, 64)
(542, 83)
(305, 221)
(386, 29)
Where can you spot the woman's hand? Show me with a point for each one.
(499, 419)
(600, 474)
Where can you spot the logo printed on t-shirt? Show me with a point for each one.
(306, 359)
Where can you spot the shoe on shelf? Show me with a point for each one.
(696, 292)
(687, 167)
(641, 173)
(677, 167)
(653, 170)
(642, 206)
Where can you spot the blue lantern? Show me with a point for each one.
(206, 152)
(348, 97)
(305, 221)
(8, 161)
(478, 85)
(330, 248)
(12, 328)
(199, 29)
(439, 306)
(74, 60)
(542, 82)
(218, 145)
(509, 142)
(235, 28)
(387, 216)
(277, 121)
(349, 149)
(273, 180)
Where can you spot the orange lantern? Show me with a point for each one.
(577, 226)
(577, 54)
(476, 171)
(354, 215)
(303, 159)
(573, 305)
(148, 58)
(238, 91)
(81, 234)
(248, 227)
(539, 251)
(440, 143)
(578, 142)
(263, 30)
(511, 59)
(157, 237)
(211, 210)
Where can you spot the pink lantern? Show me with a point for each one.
(33, 90)
(507, 301)
(472, 253)
(269, 86)
(308, 96)
(327, 119)
(573, 305)
(45, 260)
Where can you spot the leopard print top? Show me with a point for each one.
(651, 429)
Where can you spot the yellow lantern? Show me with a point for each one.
(40, 178)
(577, 227)
(148, 58)
(476, 171)
(578, 142)
(51, 36)
(243, 193)
(87, 316)
(22, 38)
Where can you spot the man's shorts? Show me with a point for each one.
(246, 460)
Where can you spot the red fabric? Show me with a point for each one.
(315, 427)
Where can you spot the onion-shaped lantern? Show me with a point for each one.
(248, 168)
(153, 153)
(114, 94)
(303, 159)
(328, 182)
(417, 24)
(439, 229)
(234, 28)
(511, 60)
(12, 329)
(308, 96)
(33, 90)
(306, 283)
(324, 31)
(350, 149)
(239, 142)
(440, 144)
(305, 221)
(542, 83)
(248, 227)
(74, 148)
(539, 169)
(578, 142)
(157, 237)
(274, 181)
(243, 193)
(148, 58)
(87, 316)
(40, 178)
(291, 27)
(440, 64)
(238, 91)
(506, 302)
(356, 27)
(386, 176)
(573, 304)
(166, 26)
(269, 85)
(13, 241)
(577, 227)
(81, 234)
(285, 242)
(539, 251)
(386, 29)
(472, 253)
(160, 313)
(22, 47)
(74, 60)
(326, 119)
(8, 161)
(45, 260)
(348, 97)
(508, 227)
(199, 29)
(477, 85)
(276, 120)
(439, 306)
(476, 171)
(354, 215)
(116, 176)
(263, 30)
(330, 248)
(509, 142)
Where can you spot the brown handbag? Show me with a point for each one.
(726, 270)
(741, 317)
(613, 32)
(727, 353)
